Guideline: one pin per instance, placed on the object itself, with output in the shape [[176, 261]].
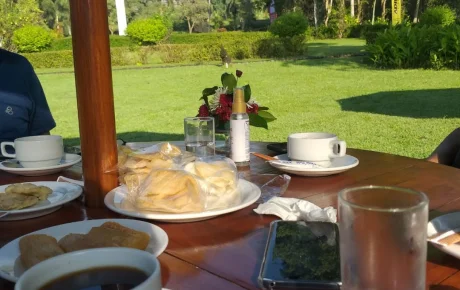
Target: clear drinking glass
[[383, 238], [199, 135]]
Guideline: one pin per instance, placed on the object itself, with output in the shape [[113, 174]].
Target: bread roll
[[37, 248]]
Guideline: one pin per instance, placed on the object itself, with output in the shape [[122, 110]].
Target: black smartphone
[[280, 148], [301, 255]]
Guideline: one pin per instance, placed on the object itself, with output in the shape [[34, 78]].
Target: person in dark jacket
[[448, 152], [24, 110]]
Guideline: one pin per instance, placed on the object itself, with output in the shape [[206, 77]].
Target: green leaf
[[263, 108], [206, 101], [229, 82], [267, 116], [209, 91], [257, 121], [247, 93]]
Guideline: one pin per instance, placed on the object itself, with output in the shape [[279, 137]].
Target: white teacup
[[65, 265], [318, 148], [36, 151]]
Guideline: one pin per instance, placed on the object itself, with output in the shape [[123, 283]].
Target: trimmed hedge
[[263, 48], [64, 58], [173, 53], [115, 41], [213, 37]]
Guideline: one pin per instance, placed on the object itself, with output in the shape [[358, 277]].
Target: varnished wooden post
[[93, 80]]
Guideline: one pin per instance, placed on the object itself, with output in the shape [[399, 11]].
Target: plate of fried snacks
[[28, 200], [24, 252], [162, 183]]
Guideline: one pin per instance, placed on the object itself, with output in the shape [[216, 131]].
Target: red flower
[[203, 111], [239, 73], [224, 113], [226, 100], [252, 108]]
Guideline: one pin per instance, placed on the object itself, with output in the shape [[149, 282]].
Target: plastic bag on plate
[[169, 190], [220, 178], [271, 185], [134, 166]]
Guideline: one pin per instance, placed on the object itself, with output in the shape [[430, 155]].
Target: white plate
[[443, 224], [13, 166], [250, 193], [338, 165], [63, 192], [11, 267]]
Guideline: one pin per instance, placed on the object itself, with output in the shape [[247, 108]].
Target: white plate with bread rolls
[[117, 201], [21, 201], [28, 250]]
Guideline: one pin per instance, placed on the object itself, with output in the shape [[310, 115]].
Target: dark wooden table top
[[226, 252]]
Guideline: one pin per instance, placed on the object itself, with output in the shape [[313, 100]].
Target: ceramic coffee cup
[[36, 151], [74, 262], [318, 148]]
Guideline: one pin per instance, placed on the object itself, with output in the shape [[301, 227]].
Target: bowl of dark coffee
[[103, 268]]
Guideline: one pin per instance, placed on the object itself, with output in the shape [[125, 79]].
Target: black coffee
[[107, 278]]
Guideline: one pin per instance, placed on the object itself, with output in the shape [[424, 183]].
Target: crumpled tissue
[[293, 209]]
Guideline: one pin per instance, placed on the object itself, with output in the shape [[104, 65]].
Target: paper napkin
[[293, 209], [69, 180]]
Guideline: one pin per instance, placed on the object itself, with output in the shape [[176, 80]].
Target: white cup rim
[[308, 136], [38, 138], [50, 264]]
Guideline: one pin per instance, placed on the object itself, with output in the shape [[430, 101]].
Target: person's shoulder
[[11, 58]]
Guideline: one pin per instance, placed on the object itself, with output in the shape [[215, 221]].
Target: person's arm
[[41, 119], [446, 153]]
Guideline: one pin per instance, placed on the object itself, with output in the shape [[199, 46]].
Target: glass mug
[[383, 242]]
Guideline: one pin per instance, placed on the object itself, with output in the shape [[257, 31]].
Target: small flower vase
[[224, 129]]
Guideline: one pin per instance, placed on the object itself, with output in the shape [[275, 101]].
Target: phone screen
[[302, 255]]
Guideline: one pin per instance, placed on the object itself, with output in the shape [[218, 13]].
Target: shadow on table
[[135, 136], [441, 287], [437, 103]]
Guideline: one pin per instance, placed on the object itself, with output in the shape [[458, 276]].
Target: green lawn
[[406, 112]]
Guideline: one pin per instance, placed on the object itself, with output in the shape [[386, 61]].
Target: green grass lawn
[[406, 112]]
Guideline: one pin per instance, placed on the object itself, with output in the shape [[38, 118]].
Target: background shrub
[[439, 15], [325, 32], [289, 25], [417, 47], [291, 29], [370, 32], [147, 31], [32, 38]]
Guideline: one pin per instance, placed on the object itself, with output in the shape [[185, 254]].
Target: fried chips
[[23, 195]]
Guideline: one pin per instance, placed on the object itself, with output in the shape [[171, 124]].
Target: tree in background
[[56, 14], [194, 12], [14, 15]]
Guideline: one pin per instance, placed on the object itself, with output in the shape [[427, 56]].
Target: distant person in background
[[448, 152], [23, 107]]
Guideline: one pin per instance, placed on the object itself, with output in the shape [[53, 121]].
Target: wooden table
[[226, 252]]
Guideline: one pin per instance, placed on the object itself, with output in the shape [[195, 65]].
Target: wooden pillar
[[93, 80]]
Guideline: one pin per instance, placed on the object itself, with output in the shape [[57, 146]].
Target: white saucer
[[338, 165], [250, 193], [13, 166], [443, 224]]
